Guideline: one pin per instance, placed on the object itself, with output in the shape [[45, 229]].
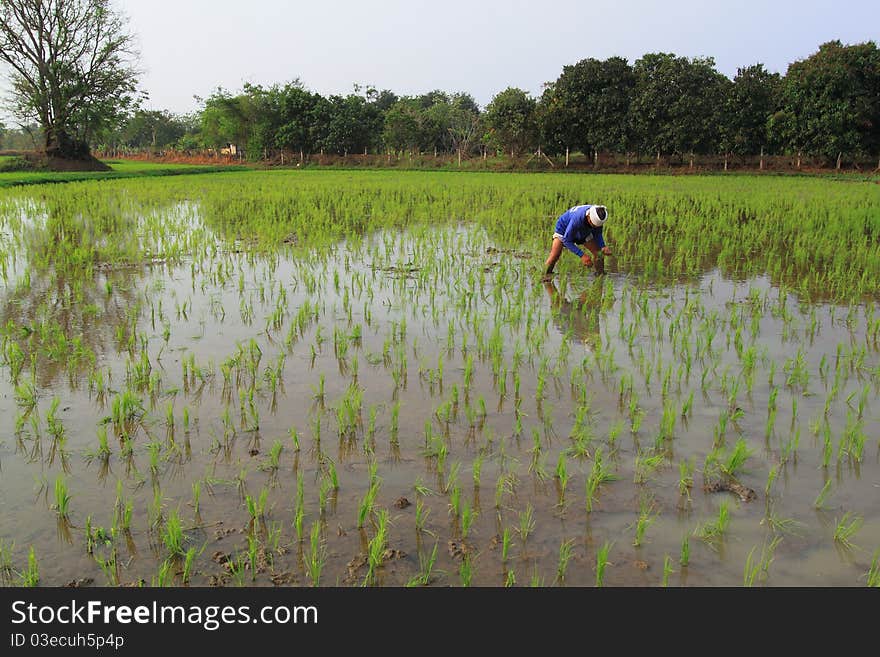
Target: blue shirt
[[576, 229]]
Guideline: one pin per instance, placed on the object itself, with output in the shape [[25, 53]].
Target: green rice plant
[[686, 477], [646, 465], [561, 476], [426, 569], [526, 522], [421, 515], [188, 561], [468, 515], [155, 508], [365, 509], [736, 459], [476, 467], [713, 530], [873, 574], [566, 552], [667, 570], [772, 474], [819, 502], [779, 525], [31, 575], [165, 575], [273, 460], [846, 528], [599, 475], [172, 535], [197, 495], [455, 502], [510, 579], [759, 571], [647, 516], [376, 547], [505, 544], [602, 563], [62, 498], [252, 555], [466, 571]]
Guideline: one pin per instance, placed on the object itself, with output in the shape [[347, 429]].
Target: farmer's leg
[[555, 252]]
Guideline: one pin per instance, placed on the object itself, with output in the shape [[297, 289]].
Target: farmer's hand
[[606, 250], [587, 260]]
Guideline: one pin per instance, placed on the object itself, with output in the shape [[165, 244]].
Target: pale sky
[[190, 47]]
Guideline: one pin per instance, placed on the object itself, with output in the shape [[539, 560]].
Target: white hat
[[598, 215]]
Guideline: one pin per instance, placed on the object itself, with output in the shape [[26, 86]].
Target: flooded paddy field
[[360, 378]]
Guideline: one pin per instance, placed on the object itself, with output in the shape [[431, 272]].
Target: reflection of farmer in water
[[581, 317], [581, 224]]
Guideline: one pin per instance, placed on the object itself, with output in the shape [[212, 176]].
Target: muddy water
[[380, 318]]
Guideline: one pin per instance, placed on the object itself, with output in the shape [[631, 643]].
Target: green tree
[[587, 107], [225, 119], [677, 105], [402, 125], [151, 129], [71, 68], [353, 125], [830, 102], [750, 102], [511, 120]]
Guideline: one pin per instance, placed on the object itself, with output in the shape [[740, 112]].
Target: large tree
[[678, 102], [511, 117], [587, 107], [71, 64], [751, 102], [830, 102]]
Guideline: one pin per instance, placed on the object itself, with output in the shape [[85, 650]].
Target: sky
[[191, 47]]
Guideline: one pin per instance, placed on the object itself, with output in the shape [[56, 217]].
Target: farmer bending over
[[581, 224]]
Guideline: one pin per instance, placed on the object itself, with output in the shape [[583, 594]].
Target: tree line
[[826, 105]]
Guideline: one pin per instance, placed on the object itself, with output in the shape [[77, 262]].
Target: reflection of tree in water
[[578, 318], [67, 306]]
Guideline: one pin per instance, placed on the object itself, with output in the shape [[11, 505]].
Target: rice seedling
[[376, 547], [426, 569], [713, 530], [455, 502], [599, 475], [686, 477], [667, 570], [526, 522], [646, 465], [602, 562], [466, 571], [647, 516], [31, 575], [819, 502], [733, 462], [172, 535], [62, 498], [873, 574], [759, 571], [468, 516], [847, 527], [566, 552]]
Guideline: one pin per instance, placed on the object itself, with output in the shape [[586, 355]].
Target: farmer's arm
[[600, 242]]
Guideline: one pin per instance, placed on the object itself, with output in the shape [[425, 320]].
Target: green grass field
[[120, 169]]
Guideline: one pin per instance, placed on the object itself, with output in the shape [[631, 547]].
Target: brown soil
[[43, 162]]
